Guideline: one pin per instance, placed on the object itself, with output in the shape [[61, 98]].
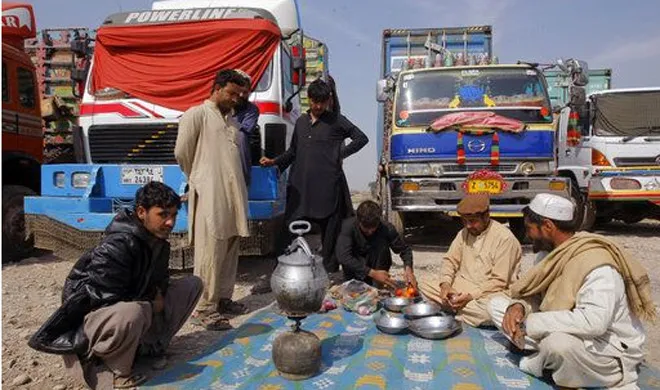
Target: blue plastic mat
[[357, 356]]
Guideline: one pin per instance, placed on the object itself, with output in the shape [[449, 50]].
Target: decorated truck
[[22, 136], [610, 146], [148, 67], [455, 121]]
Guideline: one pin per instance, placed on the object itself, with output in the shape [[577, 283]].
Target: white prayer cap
[[553, 207]]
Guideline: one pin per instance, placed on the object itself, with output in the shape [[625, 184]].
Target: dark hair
[[536, 219], [335, 97], [368, 214], [319, 91], [157, 194], [226, 76]]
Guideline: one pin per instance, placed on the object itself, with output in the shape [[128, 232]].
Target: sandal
[[227, 306], [127, 382], [210, 321]]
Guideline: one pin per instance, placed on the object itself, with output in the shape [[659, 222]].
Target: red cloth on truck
[[174, 65], [477, 120]]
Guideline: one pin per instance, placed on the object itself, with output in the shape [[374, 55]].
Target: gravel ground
[[31, 292]]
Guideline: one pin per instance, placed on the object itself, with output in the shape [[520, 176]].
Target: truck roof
[[145, 17], [626, 90], [284, 12], [462, 67]]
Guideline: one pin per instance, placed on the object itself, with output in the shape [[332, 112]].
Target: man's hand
[[410, 277], [158, 304], [382, 277], [458, 301], [266, 162], [446, 291], [511, 324]]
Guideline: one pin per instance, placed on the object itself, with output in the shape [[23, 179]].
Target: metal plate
[[141, 175]]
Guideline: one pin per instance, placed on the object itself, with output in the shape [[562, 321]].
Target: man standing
[[247, 117], [316, 155], [483, 260], [586, 330], [363, 247], [207, 151], [118, 300]]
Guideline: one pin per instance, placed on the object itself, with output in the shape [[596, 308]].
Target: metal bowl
[[435, 327], [396, 304], [390, 323], [422, 309]]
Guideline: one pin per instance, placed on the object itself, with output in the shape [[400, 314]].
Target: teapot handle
[[305, 227]]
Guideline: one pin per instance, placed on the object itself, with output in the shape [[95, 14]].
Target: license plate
[[141, 175], [488, 186]]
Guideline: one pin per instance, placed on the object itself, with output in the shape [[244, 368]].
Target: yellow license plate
[[488, 186]]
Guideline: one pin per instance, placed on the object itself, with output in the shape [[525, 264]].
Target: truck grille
[[467, 168], [635, 161], [153, 143]]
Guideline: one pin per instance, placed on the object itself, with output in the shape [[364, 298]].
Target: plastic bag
[[358, 296]]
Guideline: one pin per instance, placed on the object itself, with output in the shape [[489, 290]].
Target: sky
[[621, 35]]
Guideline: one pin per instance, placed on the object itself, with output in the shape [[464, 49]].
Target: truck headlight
[[527, 168], [410, 169], [80, 179]]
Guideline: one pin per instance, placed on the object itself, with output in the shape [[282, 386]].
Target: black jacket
[[358, 254], [128, 265]]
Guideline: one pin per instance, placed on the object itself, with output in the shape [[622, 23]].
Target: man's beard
[[542, 245]]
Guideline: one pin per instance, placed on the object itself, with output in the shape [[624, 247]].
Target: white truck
[[610, 145]]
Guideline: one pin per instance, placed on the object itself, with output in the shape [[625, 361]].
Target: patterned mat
[[357, 356]]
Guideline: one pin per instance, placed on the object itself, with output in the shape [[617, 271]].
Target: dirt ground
[[31, 292]]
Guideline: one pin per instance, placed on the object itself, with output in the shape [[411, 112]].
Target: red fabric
[[174, 65], [477, 119]]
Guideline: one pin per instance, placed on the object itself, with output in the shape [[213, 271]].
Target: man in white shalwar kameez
[[576, 312], [208, 153]]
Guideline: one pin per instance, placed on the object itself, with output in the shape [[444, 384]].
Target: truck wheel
[[15, 245], [394, 217], [588, 216]]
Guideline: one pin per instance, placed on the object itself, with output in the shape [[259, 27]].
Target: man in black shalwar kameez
[[316, 188]]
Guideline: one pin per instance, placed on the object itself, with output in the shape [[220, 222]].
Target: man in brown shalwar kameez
[[482, 261], [118, 300], [208, 152]]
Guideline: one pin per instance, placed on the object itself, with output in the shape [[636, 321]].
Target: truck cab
[[618, 153], [129, 134], [22, 129], [457, 122]]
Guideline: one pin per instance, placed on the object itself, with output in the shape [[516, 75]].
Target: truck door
[[573, 155]]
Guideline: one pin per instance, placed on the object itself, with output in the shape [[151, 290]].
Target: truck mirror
[[578, 95], [383, 90], [298, 63], [80, 47], [298, 77]]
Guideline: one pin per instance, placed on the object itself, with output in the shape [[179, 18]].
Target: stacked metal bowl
[[424, 319]]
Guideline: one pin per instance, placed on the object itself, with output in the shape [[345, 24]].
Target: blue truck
[[431, 74]]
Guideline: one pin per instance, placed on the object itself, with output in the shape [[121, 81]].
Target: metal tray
[[390, 323], [396, 304], [422, 309], [435, 327]]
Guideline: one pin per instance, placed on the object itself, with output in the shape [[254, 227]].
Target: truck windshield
[[517, 93], [630, 114]]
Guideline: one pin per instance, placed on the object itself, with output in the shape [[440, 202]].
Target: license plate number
[[141, 175], [488, 186]]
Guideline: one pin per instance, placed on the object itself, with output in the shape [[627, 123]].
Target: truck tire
[[15, 244], [396, 218]]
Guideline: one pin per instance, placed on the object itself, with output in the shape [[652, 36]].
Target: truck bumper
[[626, 185], [74, 217], [444, 194]]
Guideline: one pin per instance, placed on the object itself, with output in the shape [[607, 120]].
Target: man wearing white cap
[[482, 261], [578, 310]]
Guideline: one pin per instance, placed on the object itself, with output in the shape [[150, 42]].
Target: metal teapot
[[299, 281]]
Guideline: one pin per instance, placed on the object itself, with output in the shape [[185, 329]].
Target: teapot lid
[[298, 253]]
